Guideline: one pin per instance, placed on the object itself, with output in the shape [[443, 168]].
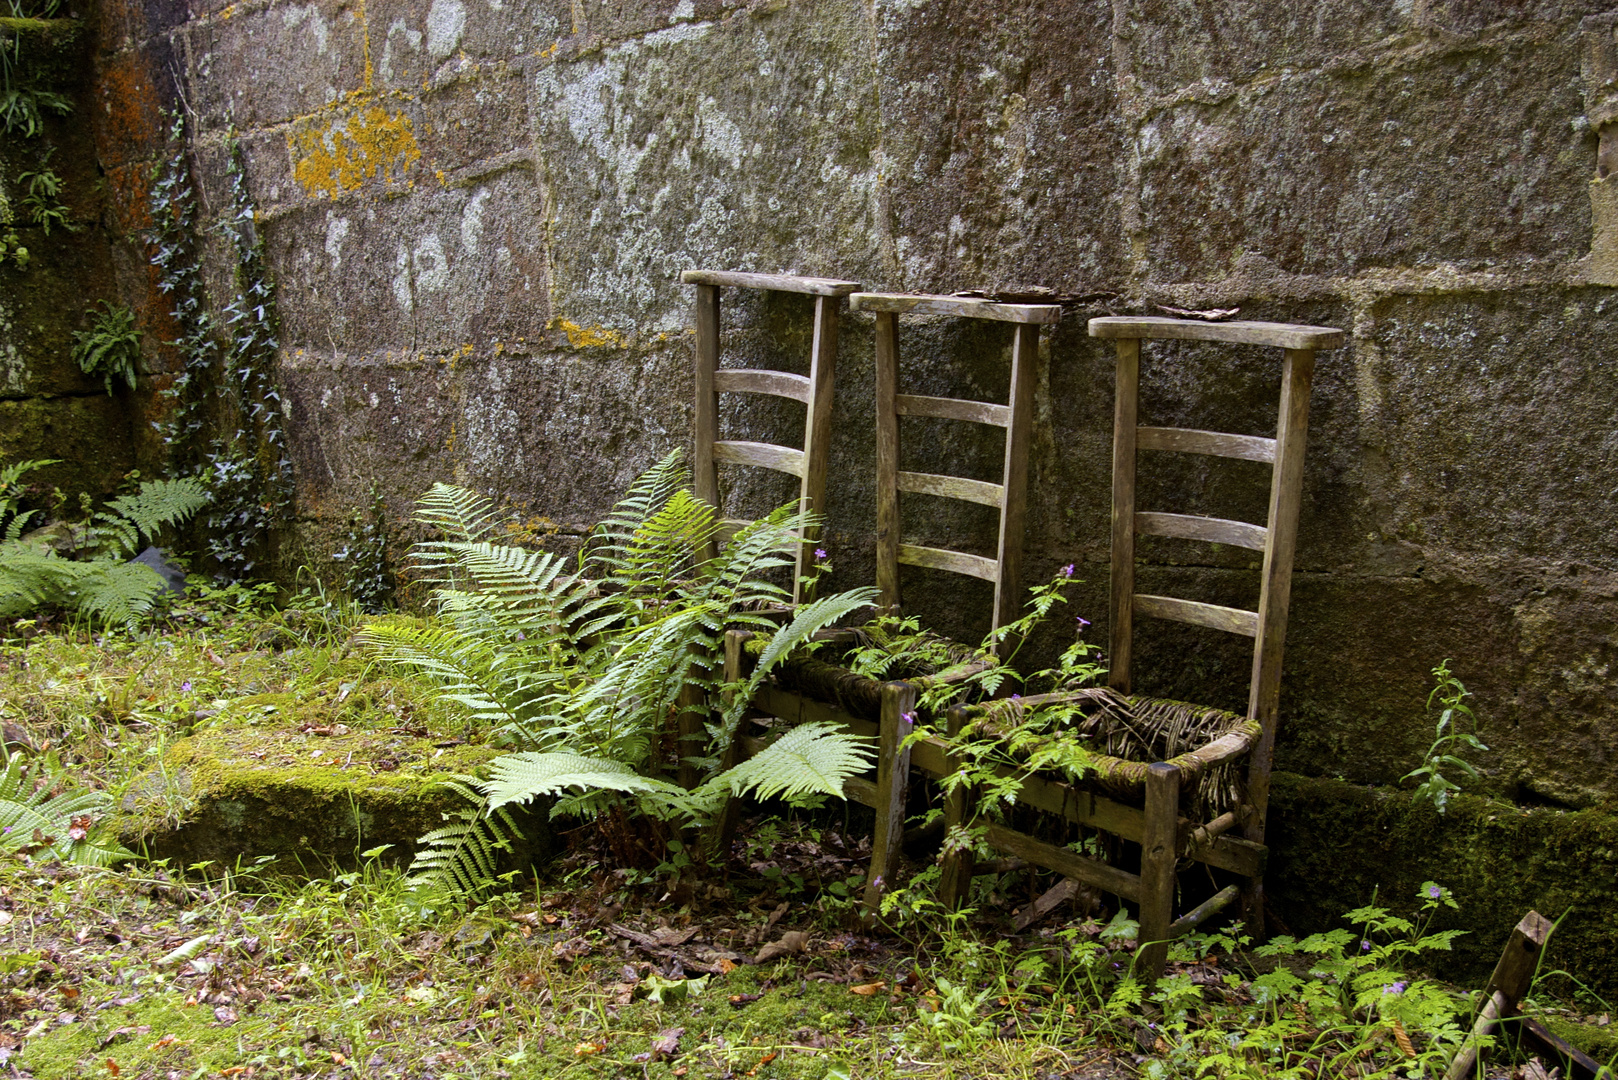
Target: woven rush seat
[[1125, 735]]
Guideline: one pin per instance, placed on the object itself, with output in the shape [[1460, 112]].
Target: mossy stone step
[[265, 780]]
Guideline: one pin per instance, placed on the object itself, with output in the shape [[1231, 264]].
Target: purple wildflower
[[1365, 946], [186, 686], [1397, 988], [820, 553], [1435, 892], [1083, 622], [908, 717], [1067, 571]]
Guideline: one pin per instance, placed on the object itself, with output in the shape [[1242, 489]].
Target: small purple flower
[[1067, 571], [1397, 988], [1016, 697], [877, 881], [186, 686], [908, 717], [1083, 622], [1435, 892], [820, 553], [1365, 946]]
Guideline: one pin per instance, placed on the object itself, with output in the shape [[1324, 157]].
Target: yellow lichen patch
[[368, 144], [588, 337]]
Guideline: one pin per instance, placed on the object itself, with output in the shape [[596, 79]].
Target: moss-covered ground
[[273, 778]]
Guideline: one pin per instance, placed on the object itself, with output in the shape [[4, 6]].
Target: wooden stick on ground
[[1507, 986]]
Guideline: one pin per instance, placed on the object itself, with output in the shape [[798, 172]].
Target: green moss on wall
[[1334, 845]]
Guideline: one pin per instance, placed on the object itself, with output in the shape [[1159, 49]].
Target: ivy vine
[[226, 425]]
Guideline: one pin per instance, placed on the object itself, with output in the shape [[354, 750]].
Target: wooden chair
[[811, 689], [815, 391], [808, 464], [1142, 801]]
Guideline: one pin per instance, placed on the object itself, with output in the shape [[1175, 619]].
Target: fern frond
[[490, 682], [32, 576], [463, 515], [115, 592], [814, 758], [517, 778], [34, 814], [462, 856], [650, 492], [525, 590], [126, 521]]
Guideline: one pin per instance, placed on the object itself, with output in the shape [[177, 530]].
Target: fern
[[463, 854], [102, 585], [583, 665], [39, 817]]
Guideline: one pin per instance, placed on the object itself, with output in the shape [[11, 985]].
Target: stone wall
[[48, 408], [477, 210]]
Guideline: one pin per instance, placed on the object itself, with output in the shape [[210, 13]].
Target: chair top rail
[[1280, 335], [762, 381], [965, 307], [793, 283], [953, 487]]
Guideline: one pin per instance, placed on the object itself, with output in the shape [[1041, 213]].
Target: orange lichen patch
[[129, 116], [129, 190], [587, 337], [330, 158]]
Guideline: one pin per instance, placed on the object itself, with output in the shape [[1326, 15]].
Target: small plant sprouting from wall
[[368, 579], [110, 349], [23, 107], [228, 383]]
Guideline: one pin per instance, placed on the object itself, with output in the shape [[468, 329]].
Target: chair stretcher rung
[[955, 561], [953, 487], [747, 381], [1118, 882], [1208, 529], [765, 455], [1215, 616], [1215, 443], [976, 412]]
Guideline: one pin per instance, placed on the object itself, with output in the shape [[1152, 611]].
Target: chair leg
[[730, 814], [1159, 850], [956, 880], [892, 773]]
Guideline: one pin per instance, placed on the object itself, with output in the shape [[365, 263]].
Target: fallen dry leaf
[[586, 1049], [166, 1040], [667, 1044], [793, 941], [112, 1067], [726, 965], [867, 989], [225, 1014]]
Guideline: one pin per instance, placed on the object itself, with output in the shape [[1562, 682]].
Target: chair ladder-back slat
[[1213, 616], [1207, 529], [958, 562], [752, 381], [953, 487], [975, 412], [763, 455], [1212, 443]]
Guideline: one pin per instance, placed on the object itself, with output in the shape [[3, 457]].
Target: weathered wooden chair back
[[814, 390], [1009, 497], [1276, 538]]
